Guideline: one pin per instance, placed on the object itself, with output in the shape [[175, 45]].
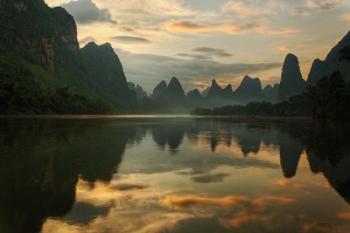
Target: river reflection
[[173, 175]]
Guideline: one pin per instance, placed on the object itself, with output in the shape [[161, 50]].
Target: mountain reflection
[[43, 159]]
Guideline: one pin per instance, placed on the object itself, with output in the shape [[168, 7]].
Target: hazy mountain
[[205, 92], [194, 98], [172, 94], [227, 92], [42, 43], [194, 95], [269, 93], [249, 90], [106, 73], [215, 91], [159, 89], [140, 92], [331, 63], [292, 82], [175, 89]]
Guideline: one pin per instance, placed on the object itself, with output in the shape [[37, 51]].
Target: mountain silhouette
[[43, 42], [140, 93], [292, 82], [249, 90], [331, 63], [215, 91], [270, 93]]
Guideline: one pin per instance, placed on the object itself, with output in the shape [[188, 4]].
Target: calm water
[[172, 176]]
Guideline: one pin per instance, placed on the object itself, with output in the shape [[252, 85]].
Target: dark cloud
[[194, 56], [210, 178], [131, 40], [213, 52], [86, 11], [129, 187]]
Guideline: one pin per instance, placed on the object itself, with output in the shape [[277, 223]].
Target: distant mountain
[[159, 89], [194, 98], [270, 93], [205, 92], [227, 92], [106, 73], [42, 42], [331, 63], [140, 93], [292, 82], [249, 90], [215, 91], [172, 94], [174, 89]]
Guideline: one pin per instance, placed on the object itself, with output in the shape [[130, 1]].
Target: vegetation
[[329, 99], [20, 93]]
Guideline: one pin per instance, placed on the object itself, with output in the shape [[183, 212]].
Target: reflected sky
[[176, 175]]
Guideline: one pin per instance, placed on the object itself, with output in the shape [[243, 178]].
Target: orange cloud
[[186, 201], [243, 217], [345, 17], [243, 12], [188, 26], [228, 28], [344, 215], [228, 201], [261, 202]]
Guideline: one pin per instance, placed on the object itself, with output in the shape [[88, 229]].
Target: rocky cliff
[[42, 41], [331, 63], [292, 82]]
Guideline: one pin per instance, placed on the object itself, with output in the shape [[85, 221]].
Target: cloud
[[210, 178], [131, 40], [345, 17], [228, 28], [228, 201], [205, 53], [324, 4], [344, 215], [86, 11], [193, 200], [242, 11], [244, 217], [194, 56], [192, 27], [213, 52], [128, 187]]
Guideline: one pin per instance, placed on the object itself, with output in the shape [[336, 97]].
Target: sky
[[201, 40]]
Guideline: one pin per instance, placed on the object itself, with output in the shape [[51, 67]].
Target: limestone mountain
[[205, 92], [175, 89], [42, 42], [106, 74], [194, 98], [140, 92], [227, 92], [215, 91], [36, 32], [292, 82], [269, 93], [159, 89], [331, 63], [249, 90]]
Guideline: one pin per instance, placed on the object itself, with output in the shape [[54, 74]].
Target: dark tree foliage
[[23, 95], [329, 99]]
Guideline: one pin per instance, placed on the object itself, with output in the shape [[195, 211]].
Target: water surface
[[172, 175]]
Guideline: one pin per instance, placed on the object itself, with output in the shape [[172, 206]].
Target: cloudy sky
[[198, 40]]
